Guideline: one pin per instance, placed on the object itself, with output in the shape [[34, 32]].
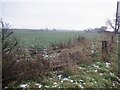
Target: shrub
[[67, 73], [31, 70], [83, 65]]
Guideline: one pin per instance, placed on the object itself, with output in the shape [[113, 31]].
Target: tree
[[111, 23], [98, 30], [103, 28], [9, 43], [8, 40]]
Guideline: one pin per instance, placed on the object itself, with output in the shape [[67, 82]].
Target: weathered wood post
[[105, 47], [105, 50]]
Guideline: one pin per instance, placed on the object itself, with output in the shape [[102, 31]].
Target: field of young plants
[[41, 39]]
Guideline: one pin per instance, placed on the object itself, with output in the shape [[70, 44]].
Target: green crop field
[[42, 39]]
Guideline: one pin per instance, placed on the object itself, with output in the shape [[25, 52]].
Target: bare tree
[[111, 23]]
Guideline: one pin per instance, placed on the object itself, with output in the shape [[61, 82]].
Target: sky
[[58, 14]]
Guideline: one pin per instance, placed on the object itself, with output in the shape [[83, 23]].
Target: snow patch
[[23, 85], [55, 83], [81, 81], [39, 85], [81, 68], [65, 79], [46, 86], [101, 74], [95, 70], [94, 65], [107, 64], [59, 76], [112, 74], [81, 86], [71, 81]]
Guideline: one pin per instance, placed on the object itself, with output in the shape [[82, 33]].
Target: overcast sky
[[59, 14]]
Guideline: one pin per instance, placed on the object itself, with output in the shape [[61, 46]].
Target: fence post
[[105, 50]]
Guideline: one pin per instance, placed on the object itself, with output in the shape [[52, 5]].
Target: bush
[[83, 65], [67, 73]]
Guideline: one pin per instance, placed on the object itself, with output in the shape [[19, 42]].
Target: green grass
[[44, 38]]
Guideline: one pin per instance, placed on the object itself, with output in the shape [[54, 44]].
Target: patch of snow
[[113, 84], [17, 61], [75, 82], [46, 56], [81, 81], [46, 86], [55, 83], [59, 76], [65, 79], [71, 81], [84, 83], [23, 85], [101, 74], [61, 81], [91, 83], [118, 78], [98, 62], [81, 68], [51, 56], [95, 70], [95, 66], [54, 72], [88, 77], [88, 71], [107, 64], [55, 86], [6, 87], [39, 85], [92, 51], [112, 74], [50, 78], [95, 82], [93, 79], [93, 45], [81, 86], [69, 77]]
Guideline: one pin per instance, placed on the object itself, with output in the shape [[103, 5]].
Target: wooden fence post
[[105, 50], [105, 47]]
